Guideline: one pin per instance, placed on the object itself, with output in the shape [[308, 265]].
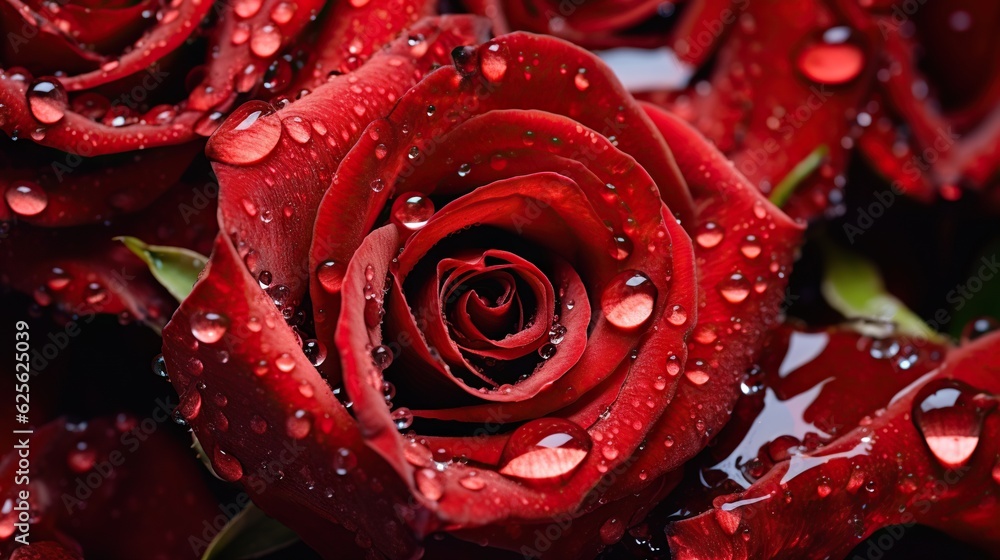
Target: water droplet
[[381, 356], [315, 351], [546, 351], [696, 373], [298, 129], [411, 211], [465, 60], [673, 364], [472, 481], [265, 41], [227, 466], [464, 169], [628, 299], [750, 248], [544, 450], [298, 424], [331, 276], [620, 247], [282, 12], [247, 136], [377, 185], [735, 288], [678, 316], [26, 198], [832, 58], [429, 484], [492, 63], [580, 80], [949, 414], [285, 363], [402, 417], [47, 100], [160, 366], [709, 235], [344, 461], [208, 327], [190, 404]]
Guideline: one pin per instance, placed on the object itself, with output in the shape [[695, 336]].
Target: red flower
[[520, 306], [919, 445], [106, 106]]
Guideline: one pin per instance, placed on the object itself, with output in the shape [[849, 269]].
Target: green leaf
[[175, 268], [250, 534], [853, 286], [784, 189]]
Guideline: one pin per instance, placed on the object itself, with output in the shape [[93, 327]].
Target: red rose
[[107, 105], [520, 305], [919, 445]]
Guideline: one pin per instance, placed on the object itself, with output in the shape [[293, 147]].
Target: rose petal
[[880, 473], [278, 412], [329, 121]]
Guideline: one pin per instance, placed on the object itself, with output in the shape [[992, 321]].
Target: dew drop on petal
[[331, 276], [247, 136], [492, 63], [429, 484], [544, 450], [709, 235], [26, 198], [411, 211], [472, 481], [832, 58], [298, 424], [265, 41], [734, 288], [628, 299], [949, 415], [47, 100], [227, 466], [208, 327], [620, 247]]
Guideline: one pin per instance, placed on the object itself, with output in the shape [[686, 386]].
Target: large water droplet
[[734, 288], [331, 276], [949, 414], [190, 404], [47, 100], [832, 58], [628, 299], [709, 235], [411, 211], [465, 60], [208, 326], [265, 41], [247, 136], [227, 466], [26, 198], [429, 484], [545, 450], [492, 63]]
